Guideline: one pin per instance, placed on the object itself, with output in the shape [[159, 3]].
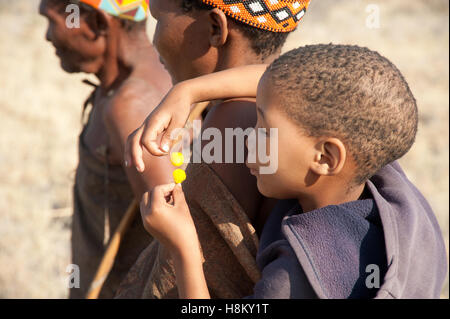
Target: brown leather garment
[[88, 224], [229, 244]]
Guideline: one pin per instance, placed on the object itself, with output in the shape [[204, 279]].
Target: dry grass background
[[40, 109]]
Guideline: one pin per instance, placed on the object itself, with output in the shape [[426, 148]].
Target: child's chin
[[272, 190], [264, 189]]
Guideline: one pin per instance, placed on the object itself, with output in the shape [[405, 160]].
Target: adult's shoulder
[[236, 177], [133, 102], [232, 114]]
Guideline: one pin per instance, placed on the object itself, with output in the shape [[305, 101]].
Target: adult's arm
[[127, 112], [174, 109]]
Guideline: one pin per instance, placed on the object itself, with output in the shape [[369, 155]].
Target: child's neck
[[331, 195]]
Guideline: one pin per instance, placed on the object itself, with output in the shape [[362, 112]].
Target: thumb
[[166, 140], [172, 134], [154, 125], [178, 196]]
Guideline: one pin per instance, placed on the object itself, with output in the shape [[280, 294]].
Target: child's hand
[[166, 217], [170, 114], [173, 111]]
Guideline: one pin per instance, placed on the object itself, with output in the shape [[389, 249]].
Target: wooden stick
[[111, 252], [113, 247]]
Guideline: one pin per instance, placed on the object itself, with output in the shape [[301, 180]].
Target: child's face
[[75, 47], [296, 150]]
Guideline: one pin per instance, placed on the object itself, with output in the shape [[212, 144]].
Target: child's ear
[[330, 157], [218, 27]]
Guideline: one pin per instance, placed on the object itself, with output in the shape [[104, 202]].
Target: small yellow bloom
[[179, 176], [177, 159]]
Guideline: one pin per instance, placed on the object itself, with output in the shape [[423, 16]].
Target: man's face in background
[[78, 48]]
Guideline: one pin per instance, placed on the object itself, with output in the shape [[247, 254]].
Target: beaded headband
[[136, 10], [271, 15]]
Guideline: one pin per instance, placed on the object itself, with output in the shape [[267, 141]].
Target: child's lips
[[252, 168]]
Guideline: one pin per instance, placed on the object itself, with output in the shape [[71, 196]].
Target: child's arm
[[166, 217], [174, 109]]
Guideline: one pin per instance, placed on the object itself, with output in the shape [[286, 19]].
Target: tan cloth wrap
[[229, 244]]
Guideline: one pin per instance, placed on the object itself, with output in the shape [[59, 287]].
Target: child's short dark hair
[[264, 43], [351, 93]]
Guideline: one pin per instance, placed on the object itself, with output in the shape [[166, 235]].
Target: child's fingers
[[127, 158], [133, 151], [159, 195], [178, 196], [168, 136], [154, 126]]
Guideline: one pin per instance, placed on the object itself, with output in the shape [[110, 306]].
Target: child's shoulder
[[341, 248], [335, 244]]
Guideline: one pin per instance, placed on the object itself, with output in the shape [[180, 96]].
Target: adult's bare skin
[[132, 81], [201, 42], [195, 40], [127, 65], [233, 114]]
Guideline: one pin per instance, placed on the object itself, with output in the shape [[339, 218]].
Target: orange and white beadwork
[[271, 15]]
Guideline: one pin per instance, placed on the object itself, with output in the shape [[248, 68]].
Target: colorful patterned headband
[[136, 10], [271, 15]]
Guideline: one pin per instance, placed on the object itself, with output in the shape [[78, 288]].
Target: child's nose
[[249, 137], [250, 142]]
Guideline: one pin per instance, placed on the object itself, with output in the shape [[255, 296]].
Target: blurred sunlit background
[[40, 119]]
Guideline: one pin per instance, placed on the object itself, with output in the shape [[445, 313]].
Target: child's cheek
[[264, 186], [272, 186]]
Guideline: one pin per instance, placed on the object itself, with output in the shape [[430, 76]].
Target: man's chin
[[69, 68]]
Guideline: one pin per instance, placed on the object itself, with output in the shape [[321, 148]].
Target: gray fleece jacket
[[387, 246]]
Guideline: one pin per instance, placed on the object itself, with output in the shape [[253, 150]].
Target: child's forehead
[[268, 97], [268, 88]]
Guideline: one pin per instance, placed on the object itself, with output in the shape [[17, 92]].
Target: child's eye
[[260, 128]]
